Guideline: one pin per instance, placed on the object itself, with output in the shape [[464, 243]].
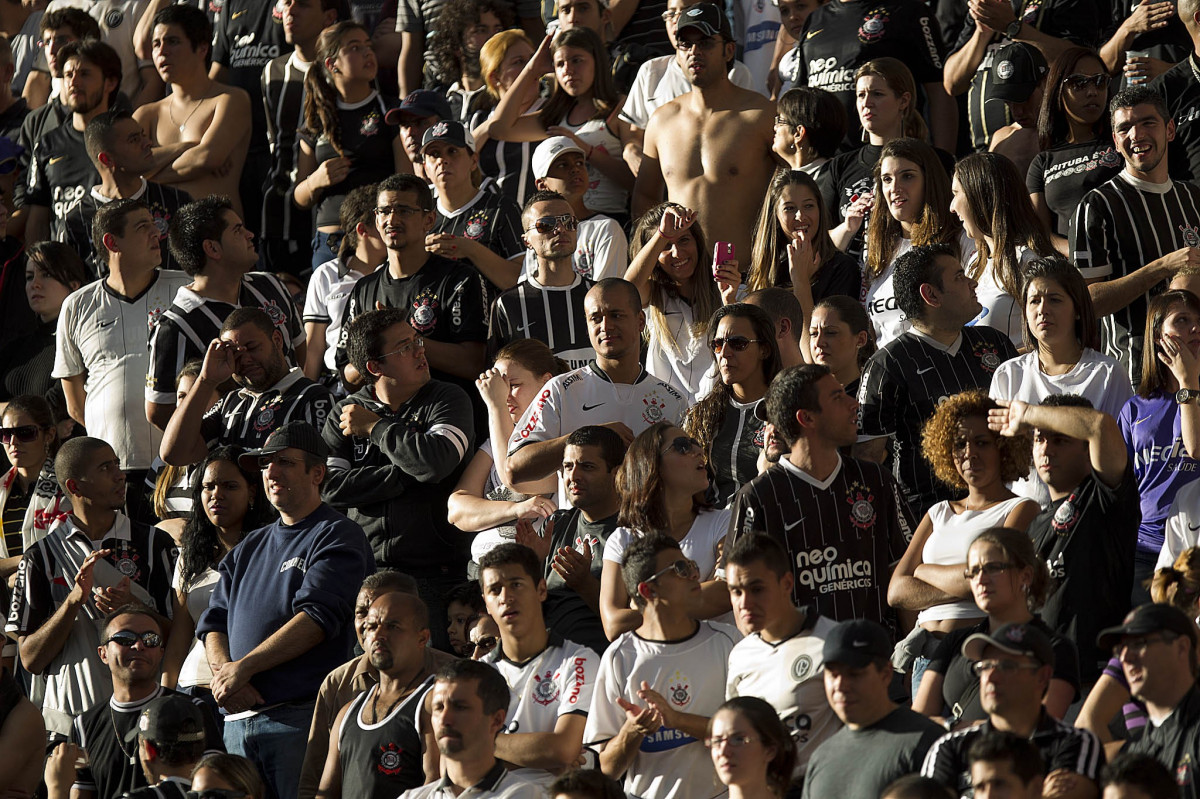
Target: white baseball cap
[[549, 150]]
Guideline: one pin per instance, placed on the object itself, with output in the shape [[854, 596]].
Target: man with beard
[[469, 703], [61, 172], [383, 743], [709, 148], [250, 351]]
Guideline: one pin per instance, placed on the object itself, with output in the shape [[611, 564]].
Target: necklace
[[120, 739], [195, 108], [403, 693]]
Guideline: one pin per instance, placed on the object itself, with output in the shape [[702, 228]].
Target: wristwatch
[[1013, 29], [1185, 395]]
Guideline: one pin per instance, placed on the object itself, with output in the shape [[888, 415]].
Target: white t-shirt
[[700, 544], [676, 353], [660, 80], [1000, 309], [790, 676], [1180, 534], [557, 682], [195, 669], [756, 27], [106, 335], [691, 674], [601, 250], [325, 302]]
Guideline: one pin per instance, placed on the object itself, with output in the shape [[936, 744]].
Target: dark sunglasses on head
[[548, 224], [684, 445], [1081, 82], [684, 568], [127, 638], [215, 793], [25, 433], [735, 343]]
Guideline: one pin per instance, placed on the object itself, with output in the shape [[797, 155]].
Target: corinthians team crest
[[424, 313], [1065, 517], [862, 506], [126, 561], [545, 689], [653, 412], [873, 25], [389, 759], [679, 691], [1191, 237], [476, 225], [370, 124], [989, 358]]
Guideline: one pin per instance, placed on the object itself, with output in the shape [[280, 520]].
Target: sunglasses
[[684, 568], [127, 638], [735, 343], [988, 569], [215, 793], [25, 433], [1081, 82], [684, 445], [548, 224], [486, 643], [982, 667]]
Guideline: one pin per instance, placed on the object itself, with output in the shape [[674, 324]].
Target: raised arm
[[674, 224], [1106, 446], [507, 122], [182, 442]]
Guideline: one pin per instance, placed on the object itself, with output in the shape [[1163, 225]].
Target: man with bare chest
[[209, 114], [710, 148]]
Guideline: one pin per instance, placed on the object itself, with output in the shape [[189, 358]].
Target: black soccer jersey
[[1119, 228], [903, 384], [491, 219], [60, 175], [163, 201], [1180, 88], [551, 314], [243, 419], [39, 122], [840, 37], [382, 759], [735, 448], [248, 35], [282, 87], [842, 534], [186, 328], [1065, 174]]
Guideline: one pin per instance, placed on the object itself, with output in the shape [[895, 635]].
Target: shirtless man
[[715, 154], [198, 109]]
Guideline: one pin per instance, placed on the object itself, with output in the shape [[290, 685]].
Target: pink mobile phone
[[722, 252]]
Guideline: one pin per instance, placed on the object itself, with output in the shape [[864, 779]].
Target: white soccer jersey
[[789, 675], [557, 682], [325, 302], [691, 675], [701, 543]]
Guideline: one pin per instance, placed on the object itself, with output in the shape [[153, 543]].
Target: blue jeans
[[325, 247], [274, 741], [917, 670]]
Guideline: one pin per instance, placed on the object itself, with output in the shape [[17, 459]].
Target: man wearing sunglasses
[[549, 304], [1015, 664], [658, 685], [1087, 534]]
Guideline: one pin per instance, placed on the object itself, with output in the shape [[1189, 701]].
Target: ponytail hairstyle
[[900, 80], [1179, 583], [851, 312], [320, 94]]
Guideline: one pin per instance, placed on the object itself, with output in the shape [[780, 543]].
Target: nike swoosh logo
[[923, 371], [524, 328], [237, 14], [787, 526], [1143, 419], [592, 407], [1194, 527], [811, 34], [56, 160]]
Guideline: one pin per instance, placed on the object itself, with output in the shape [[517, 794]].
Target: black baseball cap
[[1146, 619], [706, 18], [1017, 69], [857, 643], [1014, 639], [448, 130], [170, 719], [301, 435], [421, 103]]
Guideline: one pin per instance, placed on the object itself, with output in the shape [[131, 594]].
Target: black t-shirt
[[1170, 43], [736, 444], [1064, 174], [249, 34], [859, 764], [960, 686], [283, 100], [840, 37], [491, 219], [553, 315], [1087, 540], [163, 201], [1180, 88], [1176, 744], [60, 175], [25, 367], [564, 610], [508, 163], [13, 520]]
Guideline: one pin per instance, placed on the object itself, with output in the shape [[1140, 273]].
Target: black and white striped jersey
[[551, 314], [283, 99], [245, 419]]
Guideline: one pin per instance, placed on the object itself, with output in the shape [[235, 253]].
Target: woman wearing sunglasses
[[742, 339], [752, 750], [965, 455], [482, 501], [1075, 137], [1008, 582], [29, 493], [226, 504], [664, 485], [680, 289], [222, 776]]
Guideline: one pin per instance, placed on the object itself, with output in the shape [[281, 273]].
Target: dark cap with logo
[[301, 435], [1146, 619], [451, 132], [1017, 69], [857, 643], [706, 18], [170, 719], [1013, 639], [420, 103]]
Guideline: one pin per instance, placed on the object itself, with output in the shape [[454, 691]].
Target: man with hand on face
[[469, 702], [95, 561], [382, 742], [250, 352]]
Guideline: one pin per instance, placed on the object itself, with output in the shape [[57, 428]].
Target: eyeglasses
[[684, 568], [735, 343], [25, 433], [732, 741], [703, 43], [417, 342], [1081, 82], [486, 643], [398, 210], [127, 638], [57, 41], [215, 793], [780, 122], [981, 667], [548, 224], [1139, 645], [989, 569], [670, 16], [684, 445]]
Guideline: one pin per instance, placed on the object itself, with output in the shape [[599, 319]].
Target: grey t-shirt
[[859, 764]]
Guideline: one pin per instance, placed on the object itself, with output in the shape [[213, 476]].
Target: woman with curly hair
[[345, 141], [752, 750], [463, 28], [663, 483], [1008, 582], [742, 339], [967, 456]]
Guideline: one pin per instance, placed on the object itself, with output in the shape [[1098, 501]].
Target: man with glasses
[[1014, 664], [92, 563], [279, 618], [733, 127], [841, 521], [1156, 645], [397, 448], [659, 684], [549, 304], [1086, 534]]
